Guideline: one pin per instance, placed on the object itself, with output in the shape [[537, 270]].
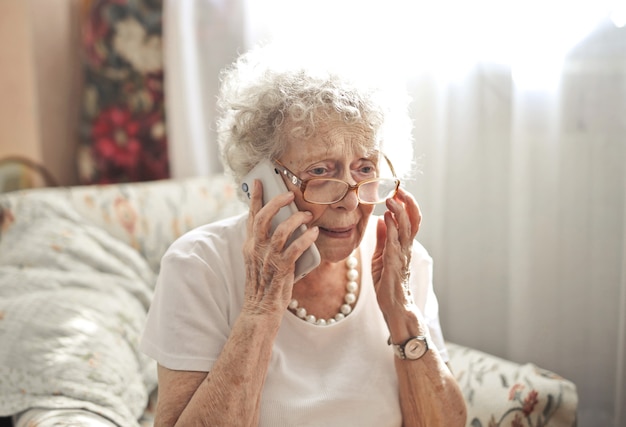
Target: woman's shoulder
[[216, 236]]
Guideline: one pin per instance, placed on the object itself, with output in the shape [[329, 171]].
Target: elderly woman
[[357, 341]]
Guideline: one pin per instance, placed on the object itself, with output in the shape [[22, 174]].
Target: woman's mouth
[[337, 233]]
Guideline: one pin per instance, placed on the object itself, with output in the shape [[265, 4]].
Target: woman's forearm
[[429, 394], [230, 394]]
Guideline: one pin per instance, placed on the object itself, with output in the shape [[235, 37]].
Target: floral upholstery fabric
[[147, 216], [112, 237], [122, 130], [501, 393]]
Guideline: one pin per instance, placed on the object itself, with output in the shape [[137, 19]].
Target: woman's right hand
[[269, 264]]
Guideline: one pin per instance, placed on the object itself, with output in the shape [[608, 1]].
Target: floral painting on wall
[[122, 132]]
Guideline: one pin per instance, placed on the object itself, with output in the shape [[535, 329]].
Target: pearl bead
[[352, 286], [301, 312], [346, 309], [310, 318], [350, 298], [352, 262], [321, 322], [352, 275], [293, 304], [339, 316]]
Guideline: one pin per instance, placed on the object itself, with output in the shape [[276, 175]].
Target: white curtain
[[523, 197], [522, 183], [200, 38]]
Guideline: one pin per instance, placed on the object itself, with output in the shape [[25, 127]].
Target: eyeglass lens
[[332, 191]]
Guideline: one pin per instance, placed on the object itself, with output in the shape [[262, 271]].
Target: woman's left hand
[[392, 257]]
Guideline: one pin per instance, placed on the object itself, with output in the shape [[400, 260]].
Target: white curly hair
[[268, 94]]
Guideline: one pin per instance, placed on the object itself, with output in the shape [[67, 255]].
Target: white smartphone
[[273, 185]]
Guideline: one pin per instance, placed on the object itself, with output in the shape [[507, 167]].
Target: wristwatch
[[411, 349]]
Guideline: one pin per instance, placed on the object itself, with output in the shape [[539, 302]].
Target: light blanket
[[72, 305]]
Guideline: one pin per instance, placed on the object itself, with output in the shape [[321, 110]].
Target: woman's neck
[[322, 292]]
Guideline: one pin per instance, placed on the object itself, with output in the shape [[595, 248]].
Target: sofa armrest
[[499, 392]]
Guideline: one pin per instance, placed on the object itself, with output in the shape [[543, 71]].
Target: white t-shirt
[[337, 375]]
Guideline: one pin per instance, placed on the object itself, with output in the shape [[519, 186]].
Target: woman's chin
[[335, 253]]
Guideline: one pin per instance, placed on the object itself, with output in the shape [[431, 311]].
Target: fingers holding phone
[[275, 210]]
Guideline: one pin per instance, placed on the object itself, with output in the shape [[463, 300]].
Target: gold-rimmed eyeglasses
[[326, 191]]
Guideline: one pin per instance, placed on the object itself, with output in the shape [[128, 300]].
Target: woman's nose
[[350, 201]]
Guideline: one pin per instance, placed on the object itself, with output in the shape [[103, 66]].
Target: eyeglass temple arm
[[393, 171], [294, 179]]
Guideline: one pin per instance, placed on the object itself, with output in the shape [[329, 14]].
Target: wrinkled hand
[[392, 256], [269, 263]]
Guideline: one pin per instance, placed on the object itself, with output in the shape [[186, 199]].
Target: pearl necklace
[[350, 298]]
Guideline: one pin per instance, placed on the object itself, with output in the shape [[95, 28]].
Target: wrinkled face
[[337, 150]]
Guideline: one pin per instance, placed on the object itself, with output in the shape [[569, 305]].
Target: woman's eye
[[367, 170], [317, 171]]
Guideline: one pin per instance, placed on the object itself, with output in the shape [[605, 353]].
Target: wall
[[39, 83], [19, 131]]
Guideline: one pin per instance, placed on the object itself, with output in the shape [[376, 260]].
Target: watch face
[[415, 348]]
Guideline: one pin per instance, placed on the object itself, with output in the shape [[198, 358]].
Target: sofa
[[77, 270]]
